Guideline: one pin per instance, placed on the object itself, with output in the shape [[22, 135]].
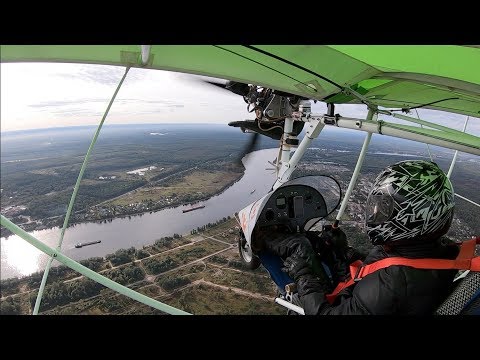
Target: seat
[[464, 299]]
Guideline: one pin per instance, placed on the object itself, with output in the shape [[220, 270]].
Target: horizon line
[[114, 124]]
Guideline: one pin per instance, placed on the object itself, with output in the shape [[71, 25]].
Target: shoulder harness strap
[[466, 260]]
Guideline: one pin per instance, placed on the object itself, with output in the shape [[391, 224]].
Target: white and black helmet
[[410, 200]]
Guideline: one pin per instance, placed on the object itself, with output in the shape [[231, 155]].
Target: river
[[19, 258]]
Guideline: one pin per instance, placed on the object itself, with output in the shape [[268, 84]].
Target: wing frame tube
[[356, 171], [426, 123], [290, 306], [287, 168], [395, 130], [74, 193]]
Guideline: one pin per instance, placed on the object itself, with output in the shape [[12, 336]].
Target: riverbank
[[107, 213], [20, 258]]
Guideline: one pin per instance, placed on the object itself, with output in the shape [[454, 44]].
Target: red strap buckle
[[355, 270]]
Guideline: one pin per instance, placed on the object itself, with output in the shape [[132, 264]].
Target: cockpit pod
[[295, 206]]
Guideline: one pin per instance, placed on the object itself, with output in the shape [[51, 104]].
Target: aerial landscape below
[[134, 172]]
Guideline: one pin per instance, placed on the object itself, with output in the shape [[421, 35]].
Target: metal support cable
[[428, 146], [470, 201], [450, 170]]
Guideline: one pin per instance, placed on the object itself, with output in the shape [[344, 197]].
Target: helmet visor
[[379, 209]]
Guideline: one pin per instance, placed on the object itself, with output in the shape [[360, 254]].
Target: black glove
[[335, 238], [329, 240], [301, 262], [286, 244], [352, 254], [309, 278], [334, 251], [306, 270]]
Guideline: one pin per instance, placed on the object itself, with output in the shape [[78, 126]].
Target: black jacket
[[399, 290]]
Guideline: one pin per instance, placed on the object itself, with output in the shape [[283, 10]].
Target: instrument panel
[[293, 205]]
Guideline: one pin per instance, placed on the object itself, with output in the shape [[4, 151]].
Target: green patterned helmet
[[409, 201]]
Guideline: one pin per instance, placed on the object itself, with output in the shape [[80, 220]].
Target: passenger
[[408, 210]]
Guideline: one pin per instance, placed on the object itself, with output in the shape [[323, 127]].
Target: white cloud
[[49, 95]]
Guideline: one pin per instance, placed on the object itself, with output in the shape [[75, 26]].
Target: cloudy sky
[[43, 95]]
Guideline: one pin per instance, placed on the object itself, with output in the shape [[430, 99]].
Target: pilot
[[408, 210]]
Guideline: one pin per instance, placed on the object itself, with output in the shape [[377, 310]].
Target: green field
[[203, 183]]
